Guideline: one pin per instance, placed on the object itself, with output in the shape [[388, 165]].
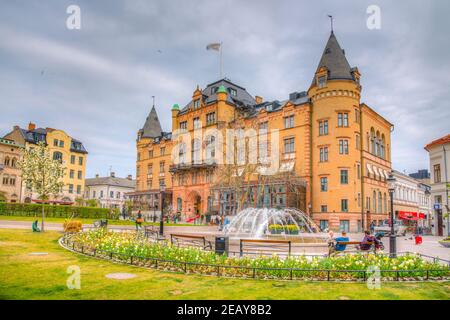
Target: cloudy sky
[[96, 83]]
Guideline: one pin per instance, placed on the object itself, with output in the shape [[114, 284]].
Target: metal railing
[[235, 271]]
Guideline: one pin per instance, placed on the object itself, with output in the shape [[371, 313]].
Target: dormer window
[[269, 107], [214, 90], [321, 81], [232, 91], [196, 104]]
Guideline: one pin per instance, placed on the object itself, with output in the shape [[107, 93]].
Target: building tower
[[335, 146]]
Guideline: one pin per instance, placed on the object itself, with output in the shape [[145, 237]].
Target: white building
[[109, 191], [439, 152]]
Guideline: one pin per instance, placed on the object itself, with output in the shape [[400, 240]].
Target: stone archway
[[195, 201]]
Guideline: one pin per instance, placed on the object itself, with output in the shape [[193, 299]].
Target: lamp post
[[392, 238], [162, 188]]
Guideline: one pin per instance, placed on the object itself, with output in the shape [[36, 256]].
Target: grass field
[[90, 221], [25, 276]]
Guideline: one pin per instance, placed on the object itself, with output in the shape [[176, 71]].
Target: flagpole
[[221, 61]]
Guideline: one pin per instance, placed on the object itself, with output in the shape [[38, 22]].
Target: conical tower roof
[[152, 126], [333, 58]]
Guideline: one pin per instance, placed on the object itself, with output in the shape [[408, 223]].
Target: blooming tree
[[41, 174]]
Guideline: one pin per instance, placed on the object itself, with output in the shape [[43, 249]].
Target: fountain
[[269, 223]]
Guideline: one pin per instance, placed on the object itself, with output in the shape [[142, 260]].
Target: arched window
[[210, 147], [13, 162], [374, 201], [380, 202], [377, 144], [383, 147], [196, 151], [372, 141], [385, 203], [7, 161], [182, 153], [179, 204]]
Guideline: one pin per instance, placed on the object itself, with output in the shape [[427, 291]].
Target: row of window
[[59, 156], [71, 190], [10, 162], [58, 143], [8, 180], [112, 195], [210, 119], [79, 174]]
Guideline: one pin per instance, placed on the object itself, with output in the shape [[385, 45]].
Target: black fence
[[258, 272]]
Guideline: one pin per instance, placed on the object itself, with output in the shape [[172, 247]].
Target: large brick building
[[334, 146]]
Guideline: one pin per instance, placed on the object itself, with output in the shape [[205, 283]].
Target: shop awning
[[369, 168], [407, 215]]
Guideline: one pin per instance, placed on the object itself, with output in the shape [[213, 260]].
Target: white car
[[385, 228]]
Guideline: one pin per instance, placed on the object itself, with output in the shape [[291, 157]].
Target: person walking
[[139, 220], [372, 227]]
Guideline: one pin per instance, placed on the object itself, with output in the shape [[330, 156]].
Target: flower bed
[[132, 248]]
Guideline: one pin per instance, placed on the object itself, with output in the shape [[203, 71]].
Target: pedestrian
[[372, 227], [139, 220]]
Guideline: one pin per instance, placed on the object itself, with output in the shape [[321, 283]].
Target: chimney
[[258, 99], [113, 174], [31, 126], [16, 127], [97, 175], [130, 177]]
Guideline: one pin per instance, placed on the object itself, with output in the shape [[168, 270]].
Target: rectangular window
[[71, 174], [80, 174], [323, 184], [324, 208], [161, 167], [344, 176], [289, 145], [210, 118], [323, 128], [232, 91], [55, 142], [196, 104], [358, 170], [321, 81], [72, 159], [358, 142], [344, 205], [342, 119], [111, 194], [344, 225], [263, 127], [101, 193], [61, 143], [150, 154], [437, 173], [78, 189], [324, 154], [70, 188], [323, 223], [183, 125], [162, 151], [356, 115], [161, 182], [80, 161], [93, 194], [149, 183], [343, 146], [289, 122], [197, 123]]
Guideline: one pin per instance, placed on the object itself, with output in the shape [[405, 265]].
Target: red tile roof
[[440, 141]]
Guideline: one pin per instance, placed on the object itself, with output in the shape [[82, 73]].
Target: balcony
[[198, 164]]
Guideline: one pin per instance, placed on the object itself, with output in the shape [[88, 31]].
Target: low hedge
[[56, 211]]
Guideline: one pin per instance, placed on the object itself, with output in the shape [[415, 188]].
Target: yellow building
[[68, 150], [10, 179], [337, 146]]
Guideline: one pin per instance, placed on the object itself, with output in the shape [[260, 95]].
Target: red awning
[[406, 215]]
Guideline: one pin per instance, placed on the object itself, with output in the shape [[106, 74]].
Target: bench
[[151, 231], [264, 246], [356, 243], [102, 223], [185, 240]]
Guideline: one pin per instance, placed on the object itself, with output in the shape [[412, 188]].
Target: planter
[[275, 231], [445, 243], [295, 232]]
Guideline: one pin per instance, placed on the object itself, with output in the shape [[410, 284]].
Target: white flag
[[213, 46]]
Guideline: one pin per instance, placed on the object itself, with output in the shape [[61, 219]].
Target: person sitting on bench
[[35, 227], [342, 238], [367, 241]]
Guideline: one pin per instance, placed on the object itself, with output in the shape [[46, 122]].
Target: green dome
[[175, 107], [222, 89]]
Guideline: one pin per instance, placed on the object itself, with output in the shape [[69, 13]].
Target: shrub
[[56, 211], [72, 226]]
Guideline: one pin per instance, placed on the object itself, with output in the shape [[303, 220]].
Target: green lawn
[[24, 276], [90, 221]]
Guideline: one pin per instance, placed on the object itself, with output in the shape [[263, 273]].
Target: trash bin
[[222, 245], [418, 239]]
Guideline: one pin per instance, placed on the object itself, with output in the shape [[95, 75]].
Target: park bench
[[185, 240], [102, 223], [151, 232], [259, 247], [357, 245]]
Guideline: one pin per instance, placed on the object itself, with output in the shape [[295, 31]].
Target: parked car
[[385, 228]]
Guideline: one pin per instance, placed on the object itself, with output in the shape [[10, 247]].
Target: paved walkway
[[429, 246]]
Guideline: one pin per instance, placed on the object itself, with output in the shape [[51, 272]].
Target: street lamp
[[162, 188], [392, 238]]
